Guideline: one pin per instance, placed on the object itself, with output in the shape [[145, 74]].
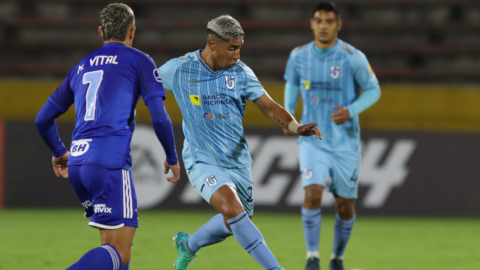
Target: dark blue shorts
[[107, 195]]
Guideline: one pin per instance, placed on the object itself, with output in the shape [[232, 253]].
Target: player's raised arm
[[153, 94], [283, 118], [56, 105]]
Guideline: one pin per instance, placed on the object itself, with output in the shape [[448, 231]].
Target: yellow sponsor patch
[[195, 99], [370, 69], [307, 85]]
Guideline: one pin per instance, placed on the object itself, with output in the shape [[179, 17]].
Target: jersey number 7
[[94, 79]]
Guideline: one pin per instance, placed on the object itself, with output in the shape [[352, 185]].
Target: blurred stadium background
[[419, 175]]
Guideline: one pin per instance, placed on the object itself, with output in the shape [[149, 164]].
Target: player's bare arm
[[60, 165], [341, 116], [283, 118]]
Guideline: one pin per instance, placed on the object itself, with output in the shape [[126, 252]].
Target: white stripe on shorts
[[127, 195], [130, 200]]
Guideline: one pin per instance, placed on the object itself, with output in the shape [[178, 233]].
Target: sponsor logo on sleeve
[[156, 75], [195, 99]]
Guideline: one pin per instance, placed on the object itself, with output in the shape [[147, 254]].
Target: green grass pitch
[[54, 239]]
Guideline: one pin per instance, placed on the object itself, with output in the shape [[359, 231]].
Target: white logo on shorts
[[211, 181], [102, 208], [80, 147], [308, 173]]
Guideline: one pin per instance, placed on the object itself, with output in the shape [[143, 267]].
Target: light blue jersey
[[212, 105], [332, 78]]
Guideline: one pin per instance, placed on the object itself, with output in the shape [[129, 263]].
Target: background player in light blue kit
[[329, 74], [106, 87], [211, 87]]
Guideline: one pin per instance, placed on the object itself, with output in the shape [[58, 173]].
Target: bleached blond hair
[[226, 27]]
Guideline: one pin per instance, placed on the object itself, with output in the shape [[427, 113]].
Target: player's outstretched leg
[[312, 222], [227, 202], [343, 228]]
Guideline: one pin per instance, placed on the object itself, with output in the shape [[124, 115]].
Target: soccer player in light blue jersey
[[106, 87], [211, 87], [329, 74]]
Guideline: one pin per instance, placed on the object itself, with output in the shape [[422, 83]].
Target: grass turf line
[[54, 239]]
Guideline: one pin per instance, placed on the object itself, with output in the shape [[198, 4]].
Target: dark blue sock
[[343, 229], [312, 222], [212, 232], [105, 257], [252, 241]]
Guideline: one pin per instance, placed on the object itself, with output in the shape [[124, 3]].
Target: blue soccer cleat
[[313, 263], [336, 264], [184, 255], [280, 268]]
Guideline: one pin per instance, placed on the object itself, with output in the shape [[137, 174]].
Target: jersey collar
[[324, 53]]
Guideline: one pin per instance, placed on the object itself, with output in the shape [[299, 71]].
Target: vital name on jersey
[[104, 59]]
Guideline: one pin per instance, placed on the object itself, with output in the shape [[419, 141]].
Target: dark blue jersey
[[105, 87]]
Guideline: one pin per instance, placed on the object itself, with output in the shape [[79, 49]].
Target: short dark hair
[[327, 6], [115, 20]]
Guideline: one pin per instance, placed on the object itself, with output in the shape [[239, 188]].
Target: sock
[[252, 241], [312, 222], [343, 229], [100, 258], [210, 233]]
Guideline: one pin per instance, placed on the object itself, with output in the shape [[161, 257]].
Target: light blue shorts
[[342, 167], [207, 178]]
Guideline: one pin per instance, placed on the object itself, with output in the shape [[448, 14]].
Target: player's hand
[[175, 170], [288, 132], [309, 130], [60, 167], [341, 116]]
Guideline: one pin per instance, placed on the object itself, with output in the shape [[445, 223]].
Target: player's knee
[[125, 255], [232, 211], [346, 211], [313, 196]]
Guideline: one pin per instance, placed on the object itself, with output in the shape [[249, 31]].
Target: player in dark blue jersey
[[106, 87]]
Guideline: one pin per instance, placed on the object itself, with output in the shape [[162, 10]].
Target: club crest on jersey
[[156, 75], [308, 173], [211, 181], [335, 72], [230, 82], [79, 147]]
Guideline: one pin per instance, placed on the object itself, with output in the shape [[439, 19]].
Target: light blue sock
[[343, 229], [312, 222], [100, 258], [252, 241], [210, 233]]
